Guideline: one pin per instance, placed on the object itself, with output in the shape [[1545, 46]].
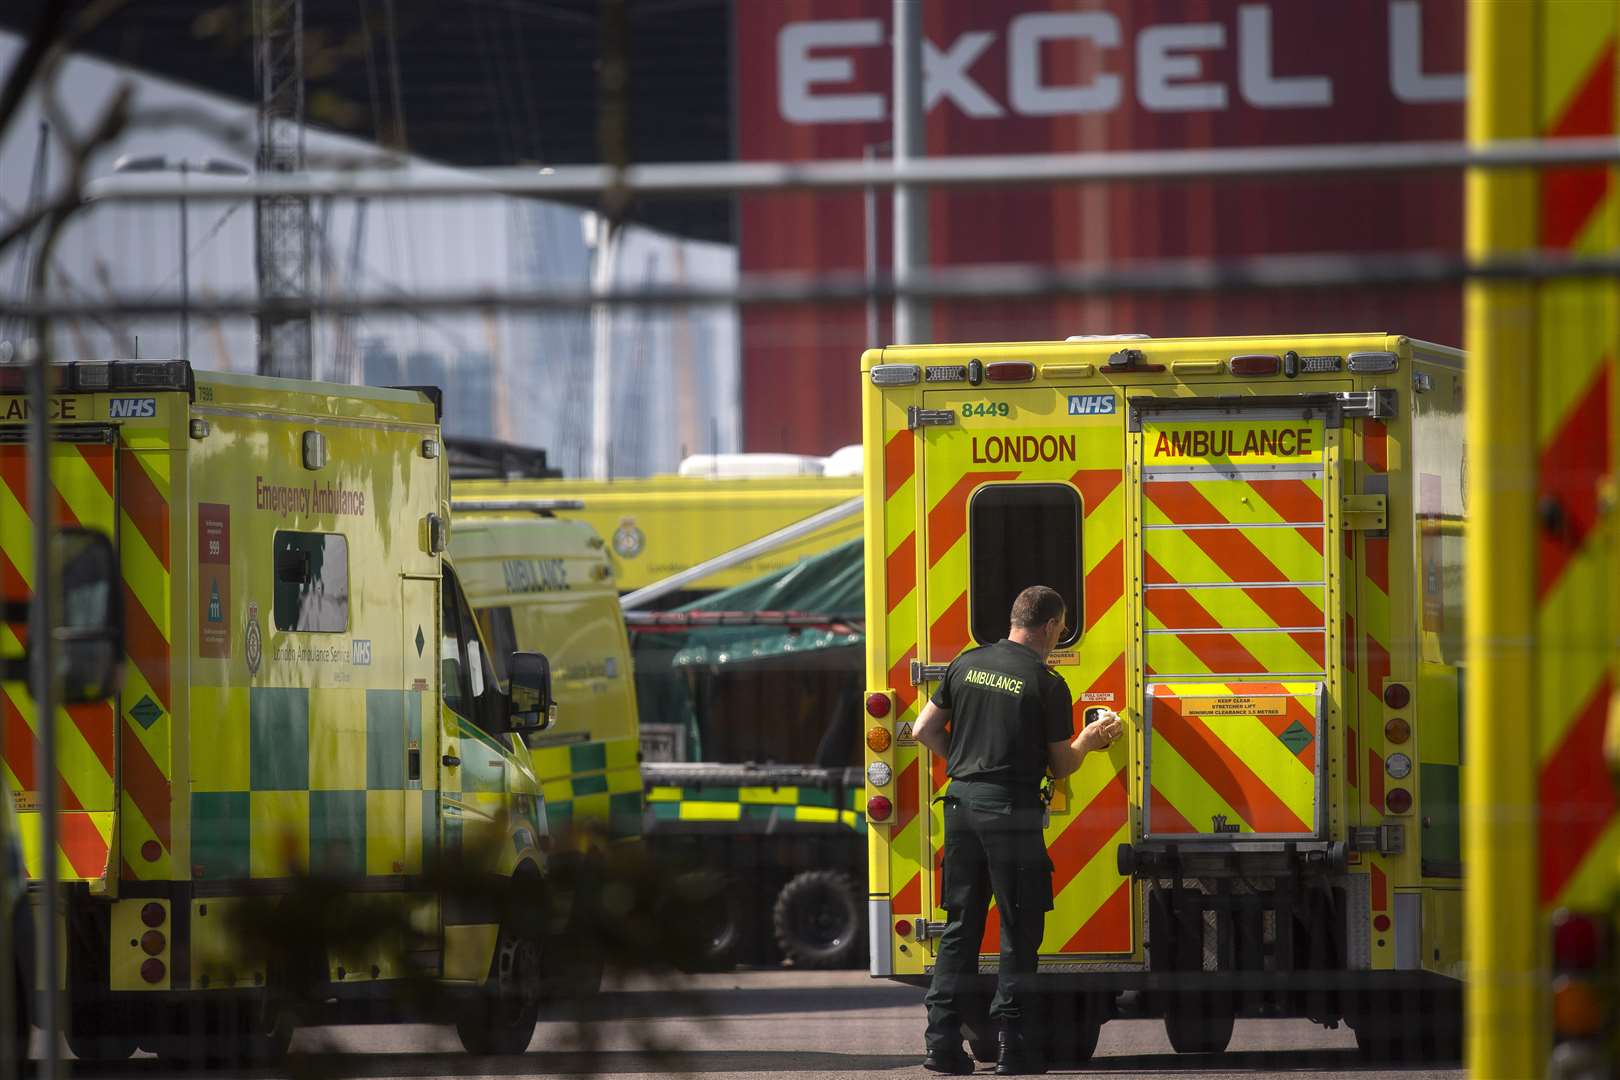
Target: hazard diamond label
[[1295, 737]]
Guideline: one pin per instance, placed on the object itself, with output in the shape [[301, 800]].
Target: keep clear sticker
[[1234, 705]]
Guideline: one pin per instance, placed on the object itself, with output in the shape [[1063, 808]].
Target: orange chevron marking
[[1572, 470], [95, 723], [1380, 889], [1570, 196], [81, 842], [900, 571], [947, 521], [1230, 548], [900, 680], [949, 634], [1375, 779], [1085, 836], [1109, 928], [1350, 757], [1111, 681], [1349, 643], [100, 460], [146, 786], [1224, 771], [908, 901], [1577, 796], [146, 646], [1378, 563], [899, 461], [907, 798], [1375, 445], [1294, 500], [1105, 584], [1166, 818], [1377, 666], [146, 507], [1095, 485]]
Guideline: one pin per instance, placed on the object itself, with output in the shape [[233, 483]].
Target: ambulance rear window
[[312, 582], [1021, 535]]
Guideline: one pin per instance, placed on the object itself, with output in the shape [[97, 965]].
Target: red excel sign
[[813, 81]]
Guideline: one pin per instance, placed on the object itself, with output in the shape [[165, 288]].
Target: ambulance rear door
[[1238, 568], [1024, 485]]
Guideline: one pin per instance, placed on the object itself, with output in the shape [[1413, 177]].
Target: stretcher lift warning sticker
[[1240, 442], [214, 584], [1234, 705]]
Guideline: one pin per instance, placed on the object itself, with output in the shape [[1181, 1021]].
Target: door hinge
[[921, 672], [1364, 513], [1384, 839], [917, 416], [925, 929]]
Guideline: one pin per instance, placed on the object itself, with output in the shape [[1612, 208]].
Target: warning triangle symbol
[[902, 731]]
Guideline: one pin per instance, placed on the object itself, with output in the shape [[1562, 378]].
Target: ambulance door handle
[[450, 761]]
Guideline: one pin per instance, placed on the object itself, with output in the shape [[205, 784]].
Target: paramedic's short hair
[[1036, 606]]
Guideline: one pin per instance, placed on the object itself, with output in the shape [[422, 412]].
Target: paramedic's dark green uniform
[[1005, 707]]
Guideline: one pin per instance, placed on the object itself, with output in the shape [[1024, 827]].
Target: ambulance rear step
[[1207, 859]]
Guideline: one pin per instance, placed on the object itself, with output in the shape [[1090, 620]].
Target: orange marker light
[[1577, 1008], [878, 739]]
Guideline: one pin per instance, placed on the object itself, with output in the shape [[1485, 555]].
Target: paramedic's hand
[[1100, 735]]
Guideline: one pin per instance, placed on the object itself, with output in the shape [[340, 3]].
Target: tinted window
[[501, 635], [1021, 535], [312, 582]]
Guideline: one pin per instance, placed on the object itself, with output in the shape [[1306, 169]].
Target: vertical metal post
[[1505, 1032], [912, 321], [185, 269], [869, 205], [605, 233], [43, 684]]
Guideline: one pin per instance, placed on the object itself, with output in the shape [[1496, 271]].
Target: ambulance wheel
[[502, 1020], [1198, 1024], [101, 1047], [713, 914], [1073, 1023], [817, 918]]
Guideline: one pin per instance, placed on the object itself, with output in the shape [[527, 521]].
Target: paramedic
[[1002, 720]]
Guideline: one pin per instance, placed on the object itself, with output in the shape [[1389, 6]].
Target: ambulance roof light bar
[[93, 376]]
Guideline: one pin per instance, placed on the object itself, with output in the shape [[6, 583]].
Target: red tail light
[[153, 914], [903, 927], [878, 808], [1256, 364], [877, 705], [1577, 941], [1381, 923], [1010, 371], [1398, 801], [153, 970], [1397, 696]]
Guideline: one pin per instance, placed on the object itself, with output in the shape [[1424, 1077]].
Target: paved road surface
[[803, 1026]]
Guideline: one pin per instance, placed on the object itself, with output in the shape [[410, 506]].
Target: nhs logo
[[139, 408], [1091, 404]]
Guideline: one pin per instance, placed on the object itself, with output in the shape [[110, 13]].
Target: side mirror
[[532, 707], [90, 616]]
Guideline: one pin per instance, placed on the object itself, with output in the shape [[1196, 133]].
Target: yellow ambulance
[[541, 583], [659, 526], [1259, 543], [307, 693]]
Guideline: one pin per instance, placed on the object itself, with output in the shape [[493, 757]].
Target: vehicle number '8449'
[[986, 408]]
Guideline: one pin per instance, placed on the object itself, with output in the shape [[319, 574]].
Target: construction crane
[[282, 226]]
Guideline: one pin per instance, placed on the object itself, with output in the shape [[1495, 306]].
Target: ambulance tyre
[[817, 918], [101, 1047], [1198, 1024], [502, 1019]]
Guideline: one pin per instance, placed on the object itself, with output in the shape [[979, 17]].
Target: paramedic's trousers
[[993, 844]]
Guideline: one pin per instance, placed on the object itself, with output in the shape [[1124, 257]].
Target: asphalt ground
[[804, 1025]]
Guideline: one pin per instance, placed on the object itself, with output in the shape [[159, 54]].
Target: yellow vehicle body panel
[[661, 525], [1245, 594]]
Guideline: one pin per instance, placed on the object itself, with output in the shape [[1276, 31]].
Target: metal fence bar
[[991, 282], [704, 179]]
